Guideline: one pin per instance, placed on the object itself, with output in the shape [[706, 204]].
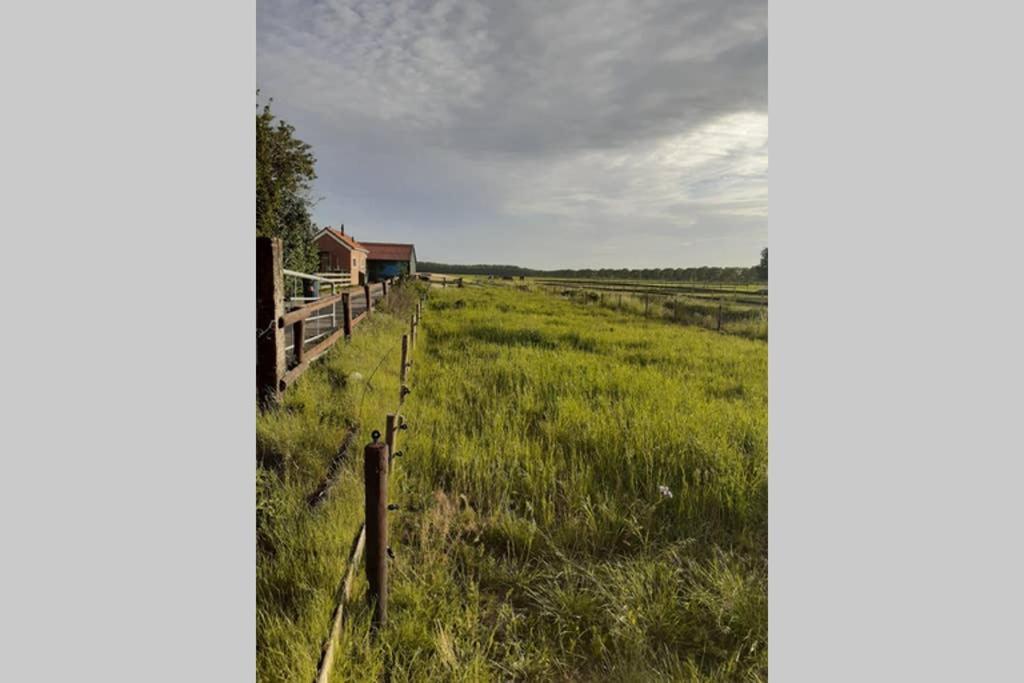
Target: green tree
[[763, 268], [285, 171]]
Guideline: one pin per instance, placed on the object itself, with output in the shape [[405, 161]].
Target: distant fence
[[731, 314], [742, 293], [442, 280], [310, 314]]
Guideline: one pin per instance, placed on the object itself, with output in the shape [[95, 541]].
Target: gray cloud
[[550, 134]]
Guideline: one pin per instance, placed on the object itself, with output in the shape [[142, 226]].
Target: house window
[[325, 261]]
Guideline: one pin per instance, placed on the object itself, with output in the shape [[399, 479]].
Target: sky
[[568, 134]]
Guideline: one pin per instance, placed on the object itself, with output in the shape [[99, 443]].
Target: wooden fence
[[725, 313], [273, 372], [442, 280], [710, 292], [273, 376]]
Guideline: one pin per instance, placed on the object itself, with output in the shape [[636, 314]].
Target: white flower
[[356, 377], [665, 491]]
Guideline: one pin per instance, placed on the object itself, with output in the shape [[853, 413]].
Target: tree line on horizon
[[758, 273]]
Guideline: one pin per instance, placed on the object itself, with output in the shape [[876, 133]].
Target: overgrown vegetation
[[583, 497], [285, 171], [302, 550]]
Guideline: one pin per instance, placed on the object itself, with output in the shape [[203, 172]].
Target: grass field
[[744, 312], [753, 301], [583, 497], [682, 285]]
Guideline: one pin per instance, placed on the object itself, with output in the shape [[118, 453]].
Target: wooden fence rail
[[273, 375], [327, 651]]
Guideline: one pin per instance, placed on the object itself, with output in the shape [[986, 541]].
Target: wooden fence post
[[719, 329], [392, 423], [346, 313], [412, 331], [403, 387], [270, 358], [375, 474], [369, 299], [384, 288]]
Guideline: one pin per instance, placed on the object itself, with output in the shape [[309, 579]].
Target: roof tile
[[387, 251]]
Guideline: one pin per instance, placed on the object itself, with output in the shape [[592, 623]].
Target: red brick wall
[[341, 257]]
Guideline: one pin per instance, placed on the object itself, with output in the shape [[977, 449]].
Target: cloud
[[472, 127]]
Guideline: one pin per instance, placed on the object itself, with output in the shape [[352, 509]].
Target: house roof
[[388, 251], [347, 240]]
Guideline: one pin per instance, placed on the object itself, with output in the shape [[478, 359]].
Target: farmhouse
[[341, 253], [363, 261], [390, 260]]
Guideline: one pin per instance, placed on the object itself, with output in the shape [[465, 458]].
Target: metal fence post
[[375, 473], [270, 357]]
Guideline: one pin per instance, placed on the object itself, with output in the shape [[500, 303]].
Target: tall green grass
[[584, 497], [301, 552], [743, 320]]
